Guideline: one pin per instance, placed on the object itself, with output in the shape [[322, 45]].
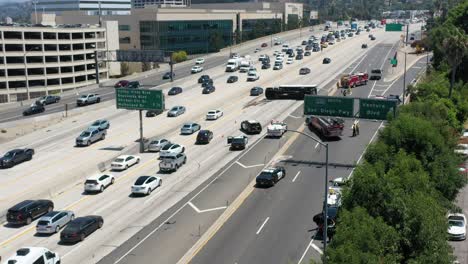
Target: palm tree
[[455, 48]]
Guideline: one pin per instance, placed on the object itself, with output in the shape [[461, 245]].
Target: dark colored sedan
[[34, 109], [167, 75], [204, 137], [78, 229], [264, 45], [134, 85], [304, 71], [307, 53], [121, 84], [326, 60], [208, 89], [299, 57], [153, 113], [256, 91], [266, 66], [232, 79], [207, 83], [372, 38], [364, 46], [203, 78], [175, 91], [304, 42]]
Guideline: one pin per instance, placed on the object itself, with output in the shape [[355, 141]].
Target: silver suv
[[52, 222]]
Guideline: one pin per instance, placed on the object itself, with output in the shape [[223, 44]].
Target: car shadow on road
[[12, 226], [44, 235]]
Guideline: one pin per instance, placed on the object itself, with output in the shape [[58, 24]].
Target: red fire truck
[[354, 79]]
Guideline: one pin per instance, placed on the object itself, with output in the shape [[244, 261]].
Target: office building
[[90, 7], [145, 3], [38, 60]]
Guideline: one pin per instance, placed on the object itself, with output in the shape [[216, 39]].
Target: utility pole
[[407, 32], [404, 82]]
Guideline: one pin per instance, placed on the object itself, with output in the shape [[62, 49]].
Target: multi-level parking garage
[[38, 60]]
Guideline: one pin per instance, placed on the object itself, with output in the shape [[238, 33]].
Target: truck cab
[[276, 128], [90, 136]]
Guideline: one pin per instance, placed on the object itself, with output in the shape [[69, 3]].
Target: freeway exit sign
[[329, 106], [393, 27], [139, 99], [376, 108]]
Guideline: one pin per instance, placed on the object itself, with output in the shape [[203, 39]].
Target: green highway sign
[[393, 27], [376, 108], [393, 61], [139, 99], [329, 106]]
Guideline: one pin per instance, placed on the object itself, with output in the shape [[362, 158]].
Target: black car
[[78, 229], [167, 75], [16, 156], [326, 60], [291, 55], [204, 137], [232, 79], [364, 46], [203, 78], [308, 47], [207, 83], [153, 113], [251, 127], [304, 71], [372, 38], [304, 42], [237, 143], [25, 212], [175, 91], [270, 176], [299, 57], [316, 49], [208, 89], [34, 109], [255, 91], [307, 53], [133, 84], [266, 66]]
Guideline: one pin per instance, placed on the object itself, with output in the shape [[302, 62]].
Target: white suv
[[98, 183]]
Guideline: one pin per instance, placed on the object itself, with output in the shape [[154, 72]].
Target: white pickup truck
[[276, 129], [172, 162]]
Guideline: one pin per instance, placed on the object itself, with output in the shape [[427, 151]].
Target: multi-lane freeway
[[171, 224]]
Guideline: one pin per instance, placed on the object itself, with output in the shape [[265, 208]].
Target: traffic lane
[[221, 187], [283, 236]]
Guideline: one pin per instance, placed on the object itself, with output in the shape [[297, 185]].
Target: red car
[[264, 45], [121, 83]]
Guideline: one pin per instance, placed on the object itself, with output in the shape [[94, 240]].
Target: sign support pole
[[96, 65], [142, 144], [171, 63]]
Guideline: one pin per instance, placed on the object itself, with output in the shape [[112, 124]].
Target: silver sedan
[[52, 222]]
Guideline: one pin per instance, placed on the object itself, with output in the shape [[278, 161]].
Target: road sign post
[[329, 106], [376, 108], [139, 99]]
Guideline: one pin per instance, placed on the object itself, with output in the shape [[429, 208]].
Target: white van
[[33, 255]]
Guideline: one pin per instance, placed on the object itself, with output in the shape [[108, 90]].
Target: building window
[[124, 40], [124, 27]]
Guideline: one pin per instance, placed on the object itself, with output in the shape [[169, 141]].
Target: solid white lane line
[[316, 145], [206, 210], [305, 251], [261, 227], [194, 207], [295, 177], [295, 116], [362, 154], [250, 166], [242, 165], [317, 248], [373, 86]]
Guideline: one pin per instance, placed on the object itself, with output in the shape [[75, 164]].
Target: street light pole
[[325, 205], [404, 82]]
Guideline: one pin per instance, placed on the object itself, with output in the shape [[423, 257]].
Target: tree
[[216, 41], [361, 238], [146, 66], [179, 56], [455, 48]]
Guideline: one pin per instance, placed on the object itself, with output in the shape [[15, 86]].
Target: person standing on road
[[354, 129]]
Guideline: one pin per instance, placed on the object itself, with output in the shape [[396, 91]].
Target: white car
[[262, 57], [124, 162], [214, 114], [253, 76], [457, 226], [197, 68], [279, 60], [334, 197], [290, 61], [462, 149], [276, 53], [200, 61], [465, 133], [276, 129], [146, 184], [98, 183], [171, 148]]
